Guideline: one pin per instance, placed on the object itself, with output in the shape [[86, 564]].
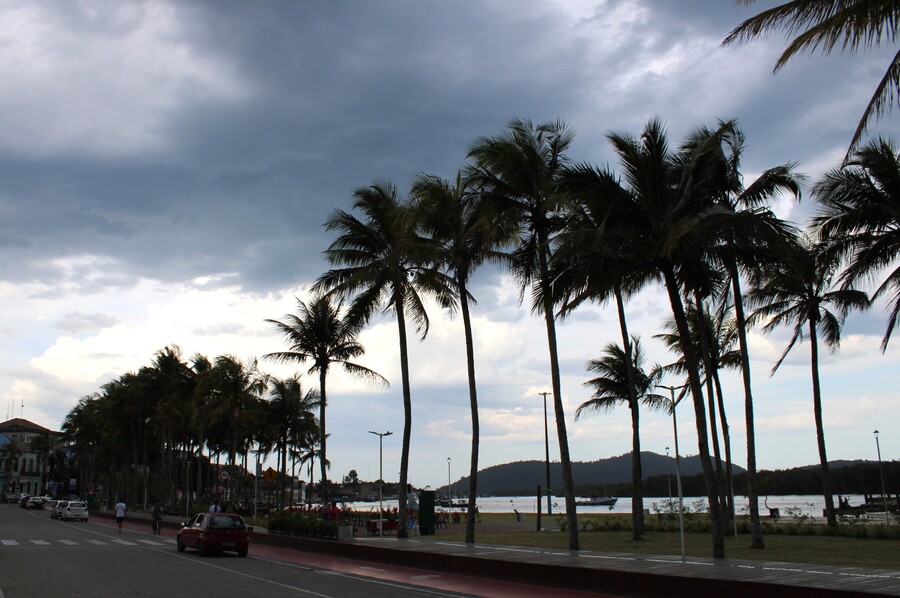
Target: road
[[44, 557]]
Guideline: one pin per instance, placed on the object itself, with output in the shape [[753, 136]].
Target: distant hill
[[522, 477]]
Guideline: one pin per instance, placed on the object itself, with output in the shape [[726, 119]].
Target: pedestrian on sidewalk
[[121, 509]]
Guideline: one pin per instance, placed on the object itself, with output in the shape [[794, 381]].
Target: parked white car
[[57, 509], [74, 510]]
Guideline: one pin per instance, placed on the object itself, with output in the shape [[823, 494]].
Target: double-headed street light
[[381, 436], [674, 403]]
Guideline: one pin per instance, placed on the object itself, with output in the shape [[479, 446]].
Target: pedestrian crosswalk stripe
[[97, 542], [9, 542], [68, 542], [41, 542], [150, 542], [124, 542]]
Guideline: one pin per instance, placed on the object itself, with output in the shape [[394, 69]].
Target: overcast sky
[[166, 168]]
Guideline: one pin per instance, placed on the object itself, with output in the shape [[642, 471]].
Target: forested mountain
[[613, 477], [521, 478]]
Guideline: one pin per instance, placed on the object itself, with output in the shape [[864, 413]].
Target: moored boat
[[597, 501]]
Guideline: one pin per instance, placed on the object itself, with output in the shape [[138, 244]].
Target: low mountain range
[[522, 477]]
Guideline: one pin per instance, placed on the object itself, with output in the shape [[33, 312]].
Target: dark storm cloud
[[332, 95]]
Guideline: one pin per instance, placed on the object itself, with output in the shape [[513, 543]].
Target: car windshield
[[226, 522], [77, 505]]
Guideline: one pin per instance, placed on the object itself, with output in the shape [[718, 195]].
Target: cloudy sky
[[166, 167]]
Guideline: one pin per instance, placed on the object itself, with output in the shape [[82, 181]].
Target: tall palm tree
[[593, 261], [466, 237], [619, 384], [673, 225], [385, 263], [318, 333], [826, 24], [761, 235], [518, 173], [799, 292], [860, 216], [714, 339]]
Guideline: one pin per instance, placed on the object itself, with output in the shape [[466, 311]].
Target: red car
[[214, 532]]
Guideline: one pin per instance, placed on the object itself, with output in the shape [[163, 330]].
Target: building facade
[[24, 450]]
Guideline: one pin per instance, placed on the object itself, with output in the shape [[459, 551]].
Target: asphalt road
[[43, 557]]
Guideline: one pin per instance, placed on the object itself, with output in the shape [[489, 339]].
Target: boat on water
[[597, 501]]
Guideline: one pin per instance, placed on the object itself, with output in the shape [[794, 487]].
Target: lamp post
[[547, 452], [881, 472], [674, 404], [668, 477], [449, 488], [381, 436]]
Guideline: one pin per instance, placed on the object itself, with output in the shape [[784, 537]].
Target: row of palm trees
[[572, 233], [569, 233], [159, 420]]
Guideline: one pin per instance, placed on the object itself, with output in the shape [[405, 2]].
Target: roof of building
[[22, 425]]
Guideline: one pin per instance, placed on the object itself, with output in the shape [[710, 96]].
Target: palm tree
[[235, 391], [799, 291], [518, 173], [713, 339], [736, 256], [319, 334], [860, 217], [448, 214], [386, 263], [289, 415], [592, 261], [826, 24], [673, 226], [617, 384]]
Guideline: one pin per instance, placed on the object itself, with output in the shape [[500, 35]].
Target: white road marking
[[68, 542], [151, 542], [41, 542], [97, 542], [123, 542], [9, 542]]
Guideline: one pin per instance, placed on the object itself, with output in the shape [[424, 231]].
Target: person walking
[[121, 509], [215, 508]]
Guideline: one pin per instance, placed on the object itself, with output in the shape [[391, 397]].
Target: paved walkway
[[622, 573]]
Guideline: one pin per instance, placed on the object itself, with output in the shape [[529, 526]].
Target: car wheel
[[179, 544], [201, 549], [242, 552]]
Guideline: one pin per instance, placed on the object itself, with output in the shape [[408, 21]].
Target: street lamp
[[674, 403], [881, 472], [547, 451], [668, 477], [449, 489], [381, 436]]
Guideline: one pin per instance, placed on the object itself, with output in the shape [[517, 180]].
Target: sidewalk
[[628, 574]]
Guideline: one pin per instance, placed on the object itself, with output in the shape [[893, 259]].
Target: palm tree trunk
[[756, 534], [705, 336], [691, 363], [820, 427], [726, 440], [323, 460], [564, 460], [407, 418], [473, 407], [637, 477]]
